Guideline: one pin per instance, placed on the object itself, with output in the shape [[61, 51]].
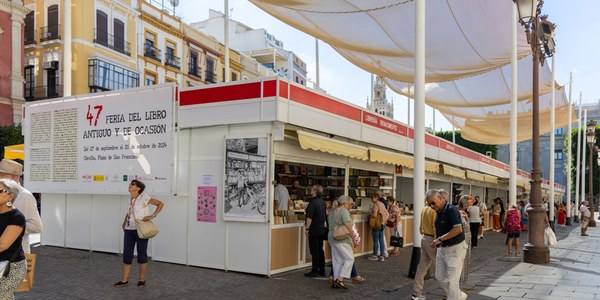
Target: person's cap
[[11, 167], [343, 199]]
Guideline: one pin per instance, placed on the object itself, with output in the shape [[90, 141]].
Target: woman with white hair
[[12, 228], [342, 257]]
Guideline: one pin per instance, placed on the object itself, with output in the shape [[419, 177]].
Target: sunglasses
[[3, 191]]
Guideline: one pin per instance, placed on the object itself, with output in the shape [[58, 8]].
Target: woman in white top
[[137, 210], [474, 222]]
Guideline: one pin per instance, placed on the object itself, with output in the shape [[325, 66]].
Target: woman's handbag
[[27, 283], [145, 229], [549, 237], [340, 232], [4, 268], [396, 240], [376, 222]]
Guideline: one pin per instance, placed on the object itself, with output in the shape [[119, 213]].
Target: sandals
[[358, 279], [517, 253], [509, 252], [338, 285]]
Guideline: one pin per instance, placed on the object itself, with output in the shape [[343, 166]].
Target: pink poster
[[207, 204]]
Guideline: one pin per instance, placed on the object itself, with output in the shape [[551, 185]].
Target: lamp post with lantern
[[591, 140], [535, 251]]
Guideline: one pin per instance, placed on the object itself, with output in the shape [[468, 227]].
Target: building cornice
[[12, 7], [201, 46], [152, 21]]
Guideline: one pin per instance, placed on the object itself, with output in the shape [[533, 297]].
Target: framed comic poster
[[245, 185]]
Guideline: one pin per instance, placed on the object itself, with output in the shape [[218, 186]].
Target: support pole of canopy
[[226, 29], [512, 181], [569, 143], [68, 54], [318, 71], [577, 165], [583, 146], [552, 137], [408, 103], [419, 136]]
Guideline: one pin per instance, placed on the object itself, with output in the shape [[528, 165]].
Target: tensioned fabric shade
[[379, 155], [453, 171], [324, 144], [490, 178], [15, 152], [468, 47]]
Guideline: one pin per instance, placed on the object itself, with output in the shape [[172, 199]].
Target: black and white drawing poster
[[245, 179]]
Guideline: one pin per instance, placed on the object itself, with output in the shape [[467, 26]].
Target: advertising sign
[[97, 143]]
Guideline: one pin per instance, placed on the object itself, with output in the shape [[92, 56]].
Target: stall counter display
[[364, 184], [331, 178]]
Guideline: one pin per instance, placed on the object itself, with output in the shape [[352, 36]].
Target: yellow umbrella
[[15, 152]]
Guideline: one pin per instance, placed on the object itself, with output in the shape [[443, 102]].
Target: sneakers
[[373, 257], [385, 254], [415, 297], [381, 258]]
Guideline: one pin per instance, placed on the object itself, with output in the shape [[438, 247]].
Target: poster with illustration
[[245, 179], [207, 204]]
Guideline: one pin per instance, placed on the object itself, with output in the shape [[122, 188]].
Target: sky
[[577, 31]]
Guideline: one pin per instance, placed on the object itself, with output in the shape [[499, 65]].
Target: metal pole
[[318, 85], [576, 208], [226, 29], [408, 103], [419, 139], [535, 250], [68, 54], [592, 222], [583, 148], [552, 146], [512, 181], [569, 145]]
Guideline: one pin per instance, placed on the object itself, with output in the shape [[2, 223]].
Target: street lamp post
[[535, 250], [591, 140]]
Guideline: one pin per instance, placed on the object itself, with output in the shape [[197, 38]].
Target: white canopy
[[467, 55]]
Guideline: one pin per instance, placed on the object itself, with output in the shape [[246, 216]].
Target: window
[[210, 67], [149, 49], [149, 79], [119, 36], [558, 131], [558, 155], [29, 82], [52, 31], [104, 76], [101, 28], [234, 77], [29, 29], [194, 64]]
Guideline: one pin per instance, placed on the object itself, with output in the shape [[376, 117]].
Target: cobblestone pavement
[[573, 273]]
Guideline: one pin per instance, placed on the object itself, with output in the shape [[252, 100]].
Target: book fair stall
[[211, 154]]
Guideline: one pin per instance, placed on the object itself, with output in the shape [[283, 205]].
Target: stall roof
[[324, 144]]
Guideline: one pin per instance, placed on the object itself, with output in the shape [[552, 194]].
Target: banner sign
[[97, 143]]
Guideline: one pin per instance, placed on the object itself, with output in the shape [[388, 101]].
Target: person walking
[[513, 229], [137, 210], [12, 230], [451, 238], [378, 208], [342, 257], [428, 253], [584, 213], [562, 215], [474, 213], [484, 213], [394, 219], [315, 231], [496, 211], [24, 201], [464, 205]]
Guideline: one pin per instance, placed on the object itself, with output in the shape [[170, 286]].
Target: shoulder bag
[[340, 232], [5, 265], [145, 229]]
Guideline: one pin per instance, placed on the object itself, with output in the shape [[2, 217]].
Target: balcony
[[29, 38], [50, 33], [211, 77], [108, 40], [153, 53], [43, 92], [195, 71], [173, 61]]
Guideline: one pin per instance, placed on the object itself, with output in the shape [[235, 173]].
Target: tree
[[481, 148], [586, 160], [10, 135]]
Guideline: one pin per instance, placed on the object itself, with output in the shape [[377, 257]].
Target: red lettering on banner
[[449, 147], [470, 154], [387, 125]]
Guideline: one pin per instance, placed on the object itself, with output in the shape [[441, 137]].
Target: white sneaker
[[373, 257], [463, 295], [415, 297], [381, 258]]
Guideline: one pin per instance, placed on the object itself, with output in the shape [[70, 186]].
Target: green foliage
[[586, 160], [481, 148], [10, 135]]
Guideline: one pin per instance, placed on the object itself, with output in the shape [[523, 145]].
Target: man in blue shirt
[[451, 240]]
